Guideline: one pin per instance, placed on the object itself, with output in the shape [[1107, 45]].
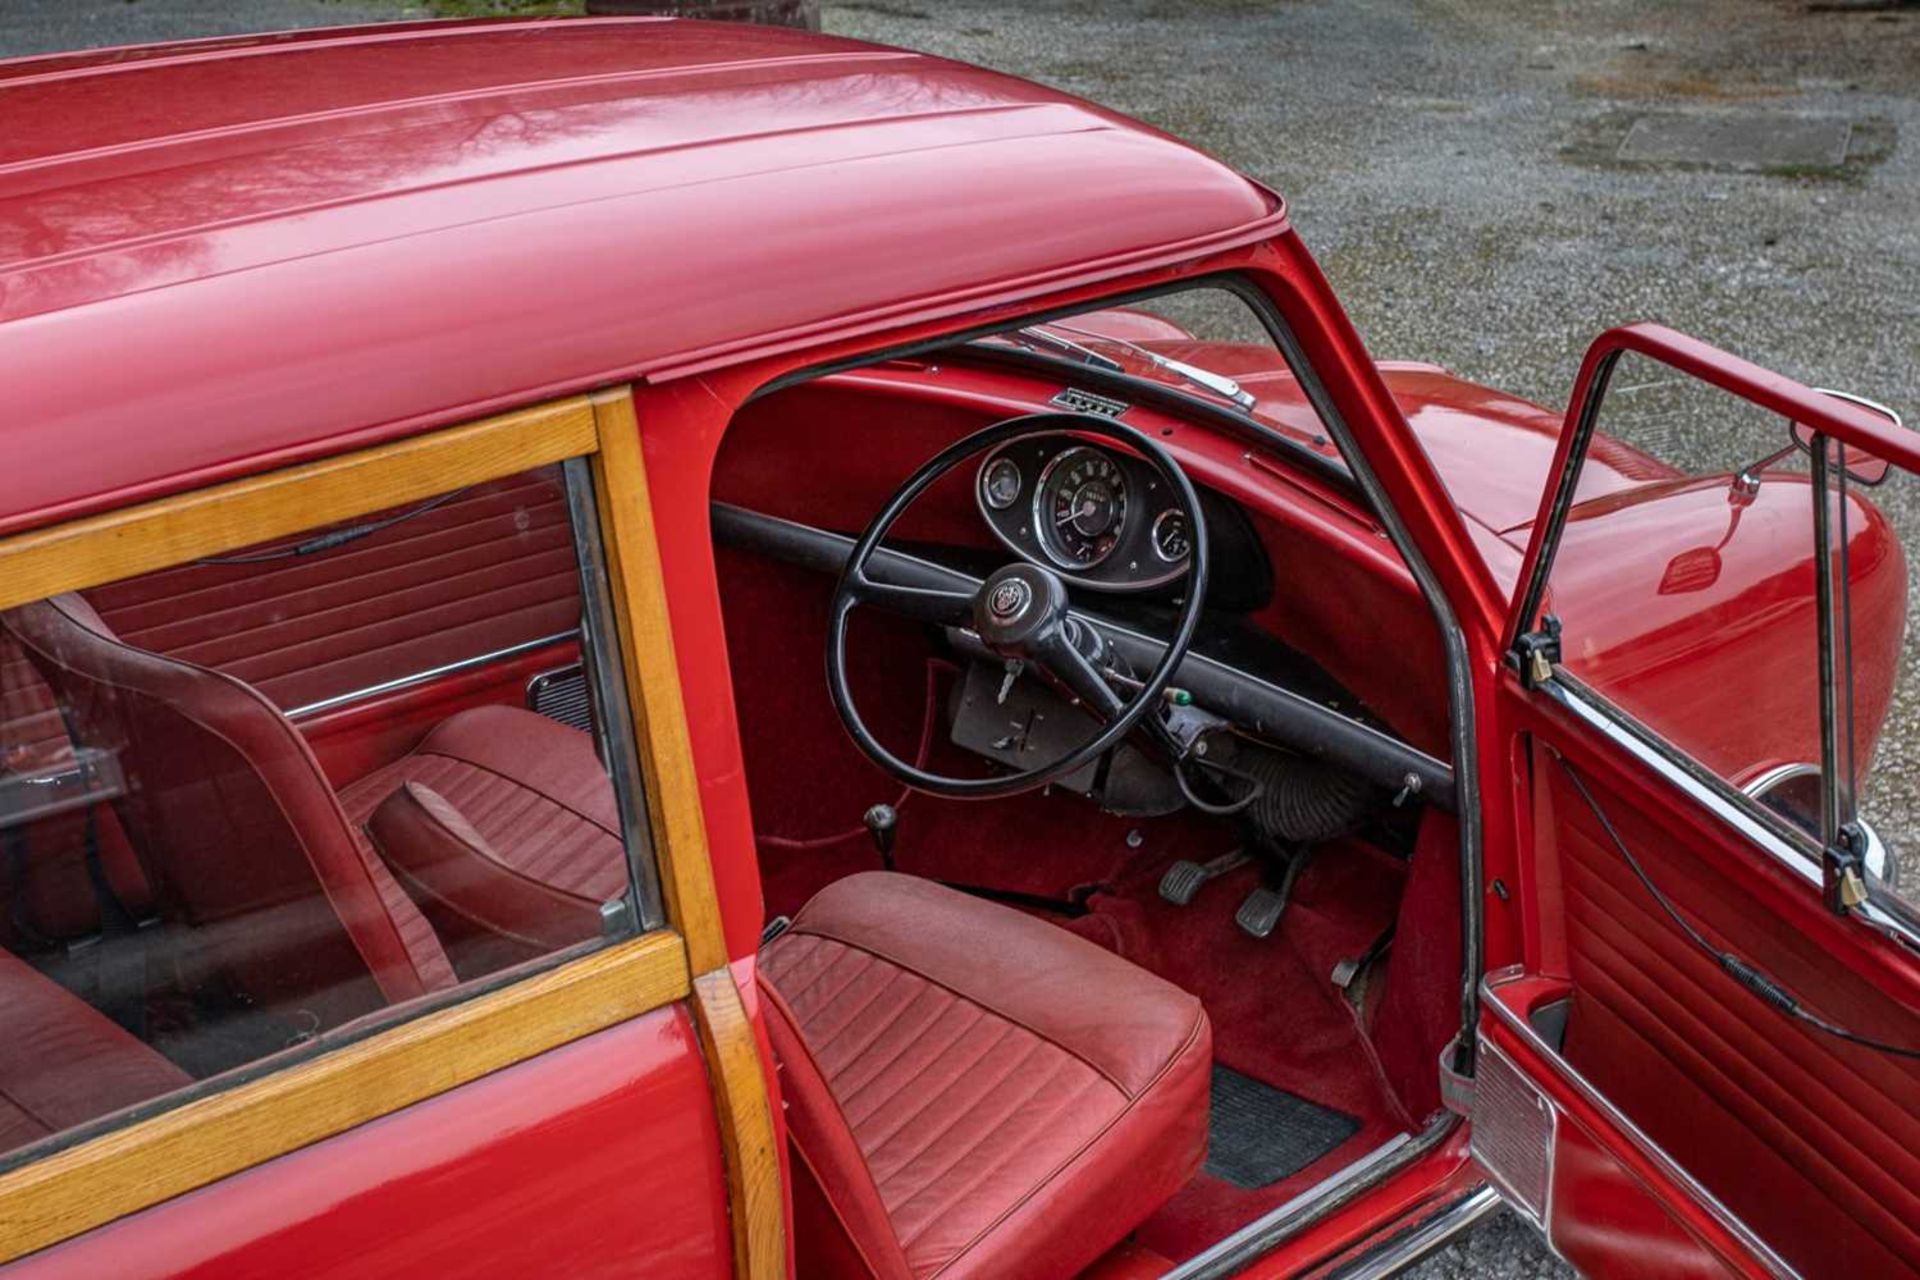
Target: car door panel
[[1636, 1238], [523, 1172], [1606, 1197], [1814, 1141], [1768, 1145]]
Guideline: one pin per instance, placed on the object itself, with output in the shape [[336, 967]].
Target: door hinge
[[1536, 652]]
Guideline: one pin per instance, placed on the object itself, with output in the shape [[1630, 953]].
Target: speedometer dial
[[1080, 507]]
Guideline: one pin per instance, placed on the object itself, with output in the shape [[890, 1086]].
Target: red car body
[[225, 257]]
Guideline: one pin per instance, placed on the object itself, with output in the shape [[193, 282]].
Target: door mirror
[[1862, 467]]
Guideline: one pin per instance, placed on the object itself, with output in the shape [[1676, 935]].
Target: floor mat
[[1258, 1134]]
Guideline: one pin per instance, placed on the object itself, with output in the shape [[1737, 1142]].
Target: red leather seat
[[970, 1091], [62, 1063], [504, 828], [235, 825]]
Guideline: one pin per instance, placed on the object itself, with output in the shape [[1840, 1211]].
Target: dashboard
[[1103, 519]]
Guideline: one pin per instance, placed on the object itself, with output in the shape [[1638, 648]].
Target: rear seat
[[63, 1063]]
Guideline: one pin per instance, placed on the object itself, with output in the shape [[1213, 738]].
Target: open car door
[[1707, 1062]]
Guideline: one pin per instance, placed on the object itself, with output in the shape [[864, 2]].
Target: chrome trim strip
[[1229, 1255], [1773, 777], [1403, 1251], [1670, 1168], [1876, 856], [1794, 858], [432, 673], [1890, 918]]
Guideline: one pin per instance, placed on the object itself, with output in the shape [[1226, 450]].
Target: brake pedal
[[1261, 912], [1186, 878]]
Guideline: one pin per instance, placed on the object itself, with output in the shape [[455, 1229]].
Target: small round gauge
[[1171, 540], [1000, 483], [1080, 507]]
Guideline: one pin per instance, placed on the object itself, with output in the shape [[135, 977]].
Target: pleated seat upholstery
[[503, 827], [973, 1092]]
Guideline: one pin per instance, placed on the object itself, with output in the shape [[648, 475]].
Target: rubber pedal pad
[[1182, 881], [1261, 912]]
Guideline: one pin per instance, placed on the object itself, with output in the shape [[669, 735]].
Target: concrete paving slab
[[1748, 141]]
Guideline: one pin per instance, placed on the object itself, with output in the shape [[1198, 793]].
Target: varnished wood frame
[[679, 832], [146, 1162]]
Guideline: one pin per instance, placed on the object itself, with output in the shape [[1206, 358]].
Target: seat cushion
[[972, 1091], [63, 1063], [501, 822]]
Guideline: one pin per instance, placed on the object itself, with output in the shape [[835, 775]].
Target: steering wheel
[[1021, 614]]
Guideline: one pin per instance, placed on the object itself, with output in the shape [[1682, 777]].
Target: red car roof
[[218, 255]]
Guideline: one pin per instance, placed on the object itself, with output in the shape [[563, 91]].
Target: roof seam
[[390, 105], [28, 267], [218, 48]]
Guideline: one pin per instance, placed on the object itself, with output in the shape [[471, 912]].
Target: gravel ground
[[1452, 163]]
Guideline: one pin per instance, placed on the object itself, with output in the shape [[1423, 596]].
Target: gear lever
[[880, 822]]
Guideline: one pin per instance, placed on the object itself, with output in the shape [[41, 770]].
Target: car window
[[1683, 586], [260, 803]]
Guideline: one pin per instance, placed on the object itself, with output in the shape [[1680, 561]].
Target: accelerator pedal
[[1347, 970], [1185, 878]]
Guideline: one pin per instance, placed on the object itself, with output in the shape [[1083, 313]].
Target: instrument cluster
[[1103, 519]]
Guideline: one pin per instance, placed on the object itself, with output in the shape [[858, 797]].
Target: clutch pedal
[[1186, 878]]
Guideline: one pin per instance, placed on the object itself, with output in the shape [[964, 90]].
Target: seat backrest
[[233, 819]]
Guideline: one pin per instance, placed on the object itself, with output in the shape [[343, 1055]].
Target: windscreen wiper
[[1053, 344], [1218, 383]]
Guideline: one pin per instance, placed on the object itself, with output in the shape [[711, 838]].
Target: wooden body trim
[[189, 1146], [201, 1140], [226, 517], [727, 1037]]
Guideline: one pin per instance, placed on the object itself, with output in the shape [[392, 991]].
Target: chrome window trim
[[432, 673], [1719, 798], [1618, 1121], [1609, 721]]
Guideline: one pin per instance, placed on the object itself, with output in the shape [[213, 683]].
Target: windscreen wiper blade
[[1053, 344], [1218, 383]]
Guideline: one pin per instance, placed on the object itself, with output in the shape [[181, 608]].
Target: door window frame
[[1829, 417], [195, 1137]]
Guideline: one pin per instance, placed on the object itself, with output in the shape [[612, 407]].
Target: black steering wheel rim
[[854, 587]]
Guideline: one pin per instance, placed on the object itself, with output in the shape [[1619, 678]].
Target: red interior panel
[[1813, 1142], [491, 568]]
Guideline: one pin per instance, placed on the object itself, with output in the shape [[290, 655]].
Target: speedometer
[[1080, 507]]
